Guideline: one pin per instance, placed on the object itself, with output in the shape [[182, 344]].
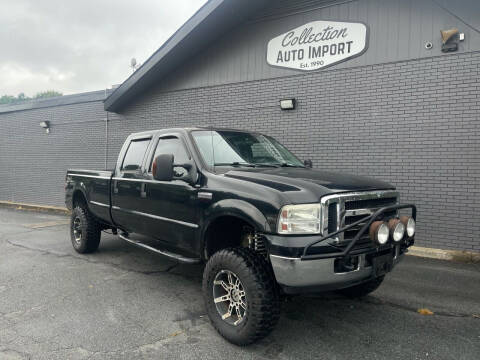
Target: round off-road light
[[397, 229], [379, 232], [409, 225]]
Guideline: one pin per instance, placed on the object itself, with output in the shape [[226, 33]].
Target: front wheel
[[240, 295], [85, 231]]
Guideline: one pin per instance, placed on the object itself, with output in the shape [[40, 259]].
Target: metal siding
[[398, 31]]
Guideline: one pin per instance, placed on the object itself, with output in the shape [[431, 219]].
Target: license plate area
[[382, 264]]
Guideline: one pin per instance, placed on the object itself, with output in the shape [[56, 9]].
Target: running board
[[166, 253]]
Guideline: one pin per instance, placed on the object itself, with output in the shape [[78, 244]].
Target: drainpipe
[[106, 135], [106, 140]]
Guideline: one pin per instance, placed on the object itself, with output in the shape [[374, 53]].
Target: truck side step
[[163, 252]]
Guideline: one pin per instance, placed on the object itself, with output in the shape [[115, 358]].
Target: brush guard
[[369, 220]]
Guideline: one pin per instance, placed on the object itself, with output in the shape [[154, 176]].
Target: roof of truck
[[186, 129]]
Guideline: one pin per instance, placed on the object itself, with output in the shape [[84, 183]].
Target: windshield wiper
[[266, 165], [291, 165], [235, 163], [277, 165]]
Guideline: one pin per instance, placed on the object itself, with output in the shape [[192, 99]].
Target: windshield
[[240, 148]]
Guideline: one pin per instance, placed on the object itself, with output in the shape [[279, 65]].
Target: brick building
[[390, 105]]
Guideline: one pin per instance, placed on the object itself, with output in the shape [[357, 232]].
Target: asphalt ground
[[125, 303]]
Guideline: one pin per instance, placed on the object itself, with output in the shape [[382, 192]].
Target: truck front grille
[[332, 218], [369, 203], [345, 209]]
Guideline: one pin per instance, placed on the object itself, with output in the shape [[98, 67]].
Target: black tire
[[85, 231], [363, 289], [262, 306]]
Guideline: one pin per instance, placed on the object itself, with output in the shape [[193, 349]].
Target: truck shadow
[[328, 320]]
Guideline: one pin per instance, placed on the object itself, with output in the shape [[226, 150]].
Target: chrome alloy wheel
[[229, 297], [77, 230]]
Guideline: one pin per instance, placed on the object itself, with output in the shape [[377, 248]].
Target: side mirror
[[162, 168], [308, 163], [191, 174]]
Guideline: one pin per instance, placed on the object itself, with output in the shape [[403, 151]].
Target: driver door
[[171, 205]]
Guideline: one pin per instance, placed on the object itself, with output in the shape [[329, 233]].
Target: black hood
[[307, 181]]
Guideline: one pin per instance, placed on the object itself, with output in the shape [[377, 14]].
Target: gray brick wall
[[413, 123], [33, 164]]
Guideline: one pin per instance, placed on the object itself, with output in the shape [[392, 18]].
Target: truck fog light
[[409, 224], [397, 229], [379, 232]]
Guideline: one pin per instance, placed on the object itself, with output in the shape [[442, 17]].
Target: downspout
[[106, 141], [106, 135]]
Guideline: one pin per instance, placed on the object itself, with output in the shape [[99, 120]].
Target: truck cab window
[[134, 156], [172, 145]]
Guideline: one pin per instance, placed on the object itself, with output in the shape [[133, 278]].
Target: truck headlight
[[300, 219], [379, 232], [397, 229], [409, 225]]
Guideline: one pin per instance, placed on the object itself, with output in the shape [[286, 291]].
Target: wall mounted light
[[46, 126], [450, 39], [287, 104]]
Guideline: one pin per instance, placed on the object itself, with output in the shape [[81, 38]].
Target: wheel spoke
[[226, 315], [230, 279], [222, 298], [239, 315], [222, 283]]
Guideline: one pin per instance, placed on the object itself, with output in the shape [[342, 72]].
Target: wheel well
[[226, 231], [78, 199]]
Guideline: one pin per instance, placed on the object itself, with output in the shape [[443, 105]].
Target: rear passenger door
[[127, 185]]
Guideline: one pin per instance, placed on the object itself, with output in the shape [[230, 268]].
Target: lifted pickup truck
[[265, 223]]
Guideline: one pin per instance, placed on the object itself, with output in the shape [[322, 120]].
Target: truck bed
[[95, 185], [90, 173]]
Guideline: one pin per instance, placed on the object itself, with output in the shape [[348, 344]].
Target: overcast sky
[[76, 46]]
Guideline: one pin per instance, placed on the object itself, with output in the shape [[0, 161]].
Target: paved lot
[[125, 303]]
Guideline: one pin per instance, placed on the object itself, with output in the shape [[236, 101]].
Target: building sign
[[317, 44]]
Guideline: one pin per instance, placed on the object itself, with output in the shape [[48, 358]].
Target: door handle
[[143, 190], [115, 187]]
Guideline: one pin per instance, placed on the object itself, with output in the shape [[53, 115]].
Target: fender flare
[[236, 208], [80, 187]]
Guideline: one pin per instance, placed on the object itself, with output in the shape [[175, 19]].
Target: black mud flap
[[382, 264]]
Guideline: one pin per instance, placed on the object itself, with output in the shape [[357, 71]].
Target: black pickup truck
[[265, 223]]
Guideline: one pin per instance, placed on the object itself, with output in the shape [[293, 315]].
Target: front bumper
[[295, 275], [326, 270]]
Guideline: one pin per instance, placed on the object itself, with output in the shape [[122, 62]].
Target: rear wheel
[[363, 289], [240, 295], [85, 231]]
